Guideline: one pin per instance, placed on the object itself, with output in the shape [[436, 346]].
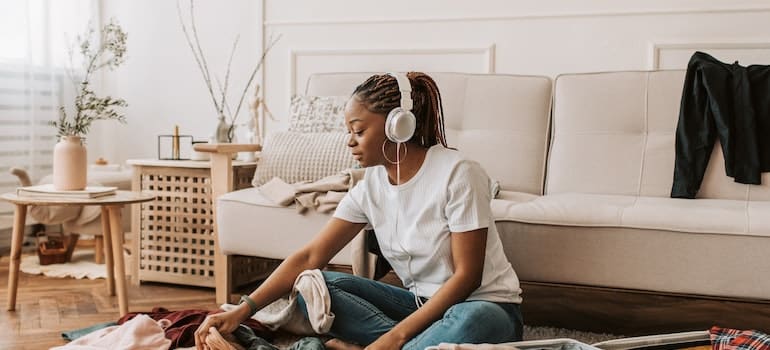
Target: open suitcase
[[675, 341]]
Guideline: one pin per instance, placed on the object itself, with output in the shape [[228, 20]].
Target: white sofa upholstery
[[485, 115], [607, 219], [585, 186]]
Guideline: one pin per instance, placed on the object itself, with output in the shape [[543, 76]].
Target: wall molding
[[519, 17], [655, 48], [294, 54]]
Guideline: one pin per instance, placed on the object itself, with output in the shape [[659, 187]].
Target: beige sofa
[[585, 165]]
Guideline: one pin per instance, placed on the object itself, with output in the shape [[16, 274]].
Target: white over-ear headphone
[[400, 123]]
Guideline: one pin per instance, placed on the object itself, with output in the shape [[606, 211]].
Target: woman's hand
[[225, 322], [387, 341]]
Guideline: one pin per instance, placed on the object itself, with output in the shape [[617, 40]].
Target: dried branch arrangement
[[219, 97]]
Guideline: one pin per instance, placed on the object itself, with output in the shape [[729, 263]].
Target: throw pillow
[[295, 156], [317, 113]]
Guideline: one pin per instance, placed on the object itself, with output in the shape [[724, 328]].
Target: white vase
[[69, 164]]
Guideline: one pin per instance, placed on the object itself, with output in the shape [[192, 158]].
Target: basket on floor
[[55, 247]]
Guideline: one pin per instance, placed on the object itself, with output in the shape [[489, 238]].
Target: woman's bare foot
[[336, 344]]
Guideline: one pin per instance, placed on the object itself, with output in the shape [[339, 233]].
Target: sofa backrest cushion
[[614, 133], [498, 120]]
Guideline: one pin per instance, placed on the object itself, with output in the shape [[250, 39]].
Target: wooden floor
[[47, 306]]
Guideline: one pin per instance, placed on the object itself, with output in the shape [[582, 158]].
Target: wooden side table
[[175, 240], [111, 227]]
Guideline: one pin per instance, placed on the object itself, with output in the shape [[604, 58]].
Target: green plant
[[108, 52]]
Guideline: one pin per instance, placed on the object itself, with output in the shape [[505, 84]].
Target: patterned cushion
[[295, 156], [317, 113]]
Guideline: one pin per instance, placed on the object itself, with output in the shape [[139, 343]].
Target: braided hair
[[380, 94]]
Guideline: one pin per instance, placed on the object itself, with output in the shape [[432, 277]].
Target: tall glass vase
[[70, 164], [223, 131]]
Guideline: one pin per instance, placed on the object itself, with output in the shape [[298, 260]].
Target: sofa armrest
[[221, 183]]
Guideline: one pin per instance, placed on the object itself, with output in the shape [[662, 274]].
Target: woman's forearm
[[314, 255], [280, 282]]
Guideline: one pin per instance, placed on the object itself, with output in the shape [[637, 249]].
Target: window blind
[[29, 99]]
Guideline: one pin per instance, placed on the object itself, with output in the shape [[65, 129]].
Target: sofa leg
[[223, 277]]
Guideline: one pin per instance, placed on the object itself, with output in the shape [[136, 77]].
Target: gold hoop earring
[[406, 150]]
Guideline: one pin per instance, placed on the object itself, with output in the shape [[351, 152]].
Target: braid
[[380, 95], [428, 109]]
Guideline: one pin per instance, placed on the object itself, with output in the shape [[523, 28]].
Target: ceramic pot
[[69, 164]]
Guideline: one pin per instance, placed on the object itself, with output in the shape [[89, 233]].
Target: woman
[[430, 210]]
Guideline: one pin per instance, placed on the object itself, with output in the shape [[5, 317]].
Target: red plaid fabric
[[734, 339]]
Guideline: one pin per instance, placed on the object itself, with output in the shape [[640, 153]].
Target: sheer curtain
[[35, 36]]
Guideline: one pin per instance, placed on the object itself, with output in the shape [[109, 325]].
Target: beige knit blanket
[[324, 195]]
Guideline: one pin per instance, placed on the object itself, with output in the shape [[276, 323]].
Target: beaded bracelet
[[252, 304]]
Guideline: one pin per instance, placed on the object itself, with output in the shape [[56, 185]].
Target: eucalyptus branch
[[70, 70], [89, 107]]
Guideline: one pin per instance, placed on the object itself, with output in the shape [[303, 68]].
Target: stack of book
[[48, 191]]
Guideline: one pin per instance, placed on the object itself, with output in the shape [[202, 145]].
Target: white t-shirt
[[413, 222]]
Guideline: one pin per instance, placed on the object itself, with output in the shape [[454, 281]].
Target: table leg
[[107, 240], [116, 231], [17, 237]]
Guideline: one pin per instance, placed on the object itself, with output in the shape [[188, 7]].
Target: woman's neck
[[410, 164]]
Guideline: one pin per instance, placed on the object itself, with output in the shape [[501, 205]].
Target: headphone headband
[[406, 90]]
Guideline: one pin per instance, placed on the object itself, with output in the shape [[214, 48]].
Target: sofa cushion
[[317, 113], [484, 115], [718, 216], [295, 156], [720, 265], [626, 121], [253, 225]]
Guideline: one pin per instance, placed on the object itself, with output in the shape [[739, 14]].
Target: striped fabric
[[734, 339], [294, 156]]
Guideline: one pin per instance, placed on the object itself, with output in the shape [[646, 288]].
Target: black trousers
[[728, 101]]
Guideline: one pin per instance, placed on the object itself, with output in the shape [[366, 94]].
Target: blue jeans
[[365, 309]]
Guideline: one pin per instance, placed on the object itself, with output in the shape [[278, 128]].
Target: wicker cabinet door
[[176, 242], [176, 236]]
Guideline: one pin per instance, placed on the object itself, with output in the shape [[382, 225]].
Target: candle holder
[[175, 147]]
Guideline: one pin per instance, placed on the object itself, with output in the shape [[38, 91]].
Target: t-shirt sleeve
[[350, 208], [468, 206]]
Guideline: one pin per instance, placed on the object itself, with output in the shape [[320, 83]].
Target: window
[[34, 80]]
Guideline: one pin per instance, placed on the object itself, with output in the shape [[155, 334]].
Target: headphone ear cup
[[400, 125]]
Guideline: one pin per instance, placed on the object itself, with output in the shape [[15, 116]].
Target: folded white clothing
[[283, 313]]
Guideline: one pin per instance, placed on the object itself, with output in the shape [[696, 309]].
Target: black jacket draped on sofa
[[729, 101]]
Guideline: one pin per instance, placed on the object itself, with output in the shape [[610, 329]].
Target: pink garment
[[141, 332]]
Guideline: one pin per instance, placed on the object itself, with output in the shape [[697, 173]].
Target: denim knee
[[488, 321], [333, 278], [472, 322]]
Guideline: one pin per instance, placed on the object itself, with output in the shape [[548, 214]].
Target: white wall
[[163, 86], [160, 79]]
